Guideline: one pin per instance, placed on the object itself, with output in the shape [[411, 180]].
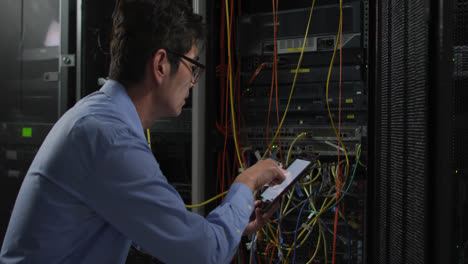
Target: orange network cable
[[272, 253], [257, 71], [274, 83]]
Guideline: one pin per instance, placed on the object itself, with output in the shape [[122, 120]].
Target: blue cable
[[297, 224], [280, 239], [253, 248]]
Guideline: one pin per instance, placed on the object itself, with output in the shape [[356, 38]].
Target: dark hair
[[143, 26]]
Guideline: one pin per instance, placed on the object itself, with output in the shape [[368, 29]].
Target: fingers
[[265, 216], [279, 176], [271, 211], [262, 173], [275, 175], [261, 218]]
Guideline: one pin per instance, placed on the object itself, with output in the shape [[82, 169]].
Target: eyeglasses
[[197, 68]]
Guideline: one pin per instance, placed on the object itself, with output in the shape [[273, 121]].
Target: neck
[[140, 94]]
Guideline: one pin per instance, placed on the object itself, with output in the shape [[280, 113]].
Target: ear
[[160, 66]]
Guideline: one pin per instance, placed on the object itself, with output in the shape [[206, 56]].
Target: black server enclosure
[[419, 191], [300, 121]]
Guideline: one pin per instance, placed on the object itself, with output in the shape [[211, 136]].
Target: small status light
[[456, 171], [26, 132], [453, 59], [248, 89]]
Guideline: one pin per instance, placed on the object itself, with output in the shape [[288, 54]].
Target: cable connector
[[257, 155], [306, 227], [248, 245], [340, 237], [333, 145], [280, 255]]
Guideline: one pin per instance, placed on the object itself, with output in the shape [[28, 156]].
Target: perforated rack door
[[401, 132]]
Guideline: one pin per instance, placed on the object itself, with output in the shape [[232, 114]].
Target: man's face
[[172, 97]]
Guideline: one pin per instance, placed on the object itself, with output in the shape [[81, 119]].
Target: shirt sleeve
[[129, 191]]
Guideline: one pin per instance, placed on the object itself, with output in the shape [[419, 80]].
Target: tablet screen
[[294, 171]]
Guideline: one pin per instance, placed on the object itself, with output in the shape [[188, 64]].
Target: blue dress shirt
[[95, 186]]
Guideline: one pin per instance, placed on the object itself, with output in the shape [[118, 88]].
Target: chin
[[177, 112]]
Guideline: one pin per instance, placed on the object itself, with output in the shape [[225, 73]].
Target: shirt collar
[[118, 94]]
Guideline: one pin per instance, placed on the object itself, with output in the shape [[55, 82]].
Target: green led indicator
[[453, 59], [248, 90], [26, 132]]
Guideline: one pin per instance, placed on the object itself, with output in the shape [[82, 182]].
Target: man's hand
[[264, 172], [258, 218]]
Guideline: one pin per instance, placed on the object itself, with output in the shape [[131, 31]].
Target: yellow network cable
[[318, 243], [311, 173], [301, 135], [310, 223], [316, 217], [302, 242], [230, 86], [327, 86], [334, 128], [324, 247], [321, 234], [305, 229], [206, 202], [324, 205], [289, 201], [294, 188], [294, 81], [357, 154], [149, 137]]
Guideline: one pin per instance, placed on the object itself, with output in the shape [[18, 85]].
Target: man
[[95, 187]]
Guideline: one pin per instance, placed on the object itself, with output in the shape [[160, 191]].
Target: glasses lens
[[196, 73]]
